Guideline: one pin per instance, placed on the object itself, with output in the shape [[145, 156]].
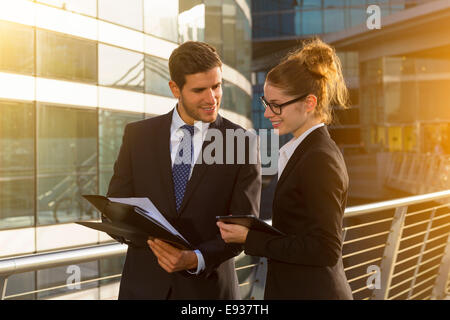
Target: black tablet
[[250, 222]]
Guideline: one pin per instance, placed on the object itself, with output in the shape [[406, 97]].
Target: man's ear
[[175, 90]]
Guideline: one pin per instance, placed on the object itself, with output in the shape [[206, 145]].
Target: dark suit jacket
[[308, 207], [143, 169]]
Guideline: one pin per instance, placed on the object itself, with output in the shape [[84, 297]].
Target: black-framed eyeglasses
[[276, 108]]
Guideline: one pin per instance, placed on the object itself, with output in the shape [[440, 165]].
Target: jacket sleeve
[[322, 186], [121, 184]]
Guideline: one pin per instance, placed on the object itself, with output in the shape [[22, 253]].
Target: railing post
[[3, 284], [260, 280], [390, 253], [422, 249], [440, 286]]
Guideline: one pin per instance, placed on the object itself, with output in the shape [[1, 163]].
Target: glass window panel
[[67, 163], [161, 18], [229, 96], [111, 126], [110, 267], [312, 21], [236, 100], [120, 68], [213, 24], [21, 283], [60, 56], [334, 15], [229, 32], [59, 276], [126, 13], [191, 22], [16, 48], [243, 45], [16, 164], [157, 76], [88, 7]]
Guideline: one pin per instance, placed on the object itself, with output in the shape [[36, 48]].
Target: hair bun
[[318, 57]]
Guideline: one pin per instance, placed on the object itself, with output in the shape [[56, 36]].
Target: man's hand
[[232, 233], [172, 259]]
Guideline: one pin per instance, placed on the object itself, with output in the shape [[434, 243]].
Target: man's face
[[200, 98]]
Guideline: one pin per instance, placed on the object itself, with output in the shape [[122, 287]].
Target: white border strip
[[16, 86], [17, 241], [59, 20], [67, 93]]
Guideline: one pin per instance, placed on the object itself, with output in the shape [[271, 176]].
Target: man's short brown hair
[[192, 57]]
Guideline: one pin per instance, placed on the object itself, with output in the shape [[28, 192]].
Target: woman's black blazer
[[308, 207]]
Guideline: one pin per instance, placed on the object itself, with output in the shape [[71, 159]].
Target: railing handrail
[[54, 259], [391, 204]]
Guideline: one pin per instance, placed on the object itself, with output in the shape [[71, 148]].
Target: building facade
[[397, 76], [73, 73]]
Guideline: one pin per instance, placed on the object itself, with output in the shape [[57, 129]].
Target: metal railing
[[397, 249], [418, 173]]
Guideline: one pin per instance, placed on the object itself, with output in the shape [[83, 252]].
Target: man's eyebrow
[[203, 88]]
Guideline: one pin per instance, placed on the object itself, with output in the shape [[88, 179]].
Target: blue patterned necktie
[[181, 168]]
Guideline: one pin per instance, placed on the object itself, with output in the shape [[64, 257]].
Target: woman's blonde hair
[[313, 69]]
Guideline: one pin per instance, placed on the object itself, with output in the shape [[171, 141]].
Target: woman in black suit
[[311, 193]]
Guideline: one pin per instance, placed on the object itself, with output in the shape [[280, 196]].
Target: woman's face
[[295, 117]]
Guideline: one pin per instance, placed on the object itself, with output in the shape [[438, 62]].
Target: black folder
[[129, 222], [251, 222]]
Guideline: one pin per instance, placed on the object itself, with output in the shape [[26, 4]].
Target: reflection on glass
[[110, 267], [229, 32], [126, 13], [157, 76], [334, 15], [235, 99], [16, 164], [358, 13], [213, 22], [67, 163], [312, 21], [88, 7], [111, 126], [161, 19], [16, 48], [57, 277], [59, 56], [191, 23], [243, 44], [120, 68], [21, 283]]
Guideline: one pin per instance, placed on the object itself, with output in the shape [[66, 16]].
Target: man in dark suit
[[160, 158]]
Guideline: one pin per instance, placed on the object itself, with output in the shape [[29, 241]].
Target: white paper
[[150, 210]]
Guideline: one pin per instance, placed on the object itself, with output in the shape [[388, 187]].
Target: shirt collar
[[289, 148], [177, 123]]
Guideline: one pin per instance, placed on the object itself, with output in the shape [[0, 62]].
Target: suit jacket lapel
[[298, 154], [199, 168]]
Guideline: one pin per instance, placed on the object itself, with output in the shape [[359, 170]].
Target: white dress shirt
[[176, 135], [288, 149]]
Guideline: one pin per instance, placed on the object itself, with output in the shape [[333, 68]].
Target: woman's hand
[[232, 233]]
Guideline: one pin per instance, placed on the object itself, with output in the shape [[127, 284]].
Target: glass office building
[[73, 73], [279, 25]]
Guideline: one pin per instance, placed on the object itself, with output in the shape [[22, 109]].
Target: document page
[[149, 209]]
